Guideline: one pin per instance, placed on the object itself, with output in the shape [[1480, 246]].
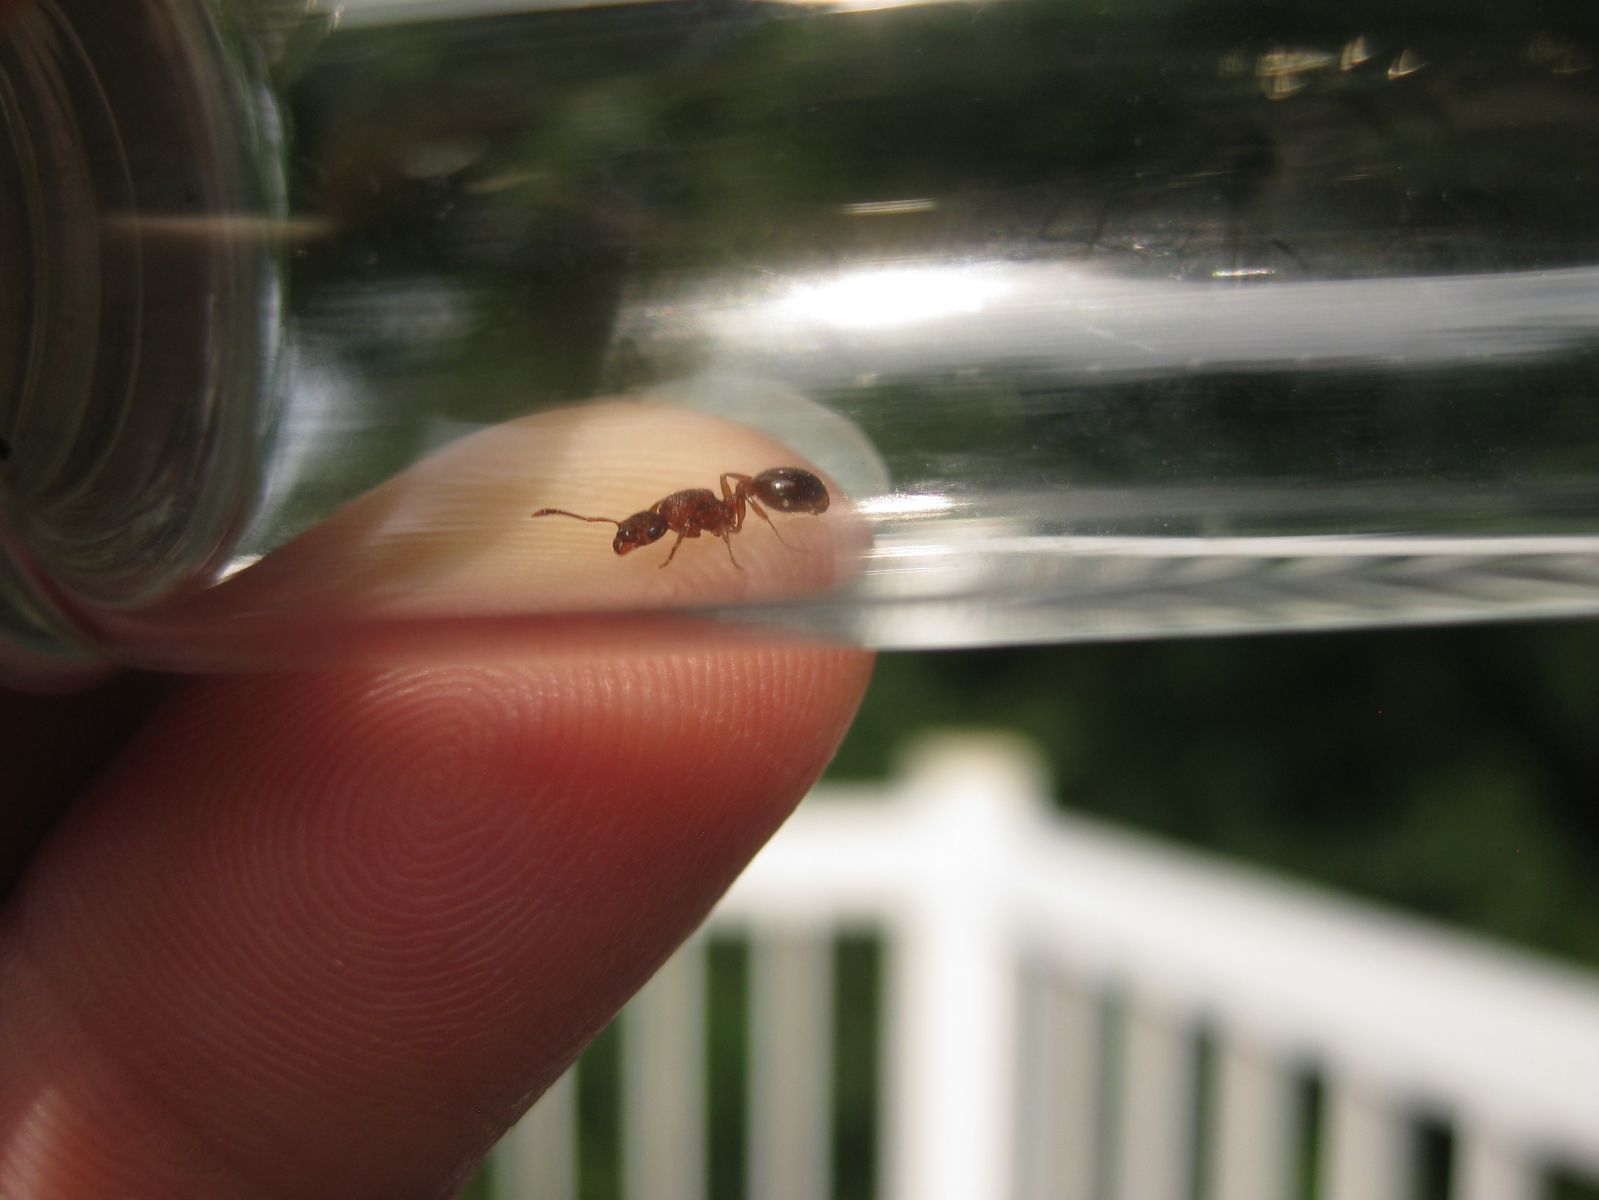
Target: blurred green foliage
[[727, 1032], [857, 1017], [599, 1117], [1454, 773]]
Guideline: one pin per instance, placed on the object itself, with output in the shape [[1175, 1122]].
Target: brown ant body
[[695, 511]]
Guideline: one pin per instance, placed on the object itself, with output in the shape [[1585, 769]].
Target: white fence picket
[[1488, 1168], [663, 1083], [1154, 1125], [1254, 1130], [1058, 1121], [1367, 1152], [538, 1157], [953, 984], [790, 1066]]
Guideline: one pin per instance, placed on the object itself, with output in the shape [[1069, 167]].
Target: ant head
[[641, 529], [791, 490]]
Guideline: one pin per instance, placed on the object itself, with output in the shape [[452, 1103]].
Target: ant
[[695, 511]]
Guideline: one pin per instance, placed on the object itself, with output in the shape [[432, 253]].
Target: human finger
[[328, 934]]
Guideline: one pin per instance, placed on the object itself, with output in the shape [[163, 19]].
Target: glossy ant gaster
[[699, 510]]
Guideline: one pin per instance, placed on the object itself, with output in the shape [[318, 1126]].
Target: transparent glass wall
[[1091, 320]]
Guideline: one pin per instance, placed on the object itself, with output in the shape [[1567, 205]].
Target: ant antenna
[[561, 512]]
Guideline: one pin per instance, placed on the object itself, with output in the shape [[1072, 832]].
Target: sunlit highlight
[[846, 6], [905, 504], [1408, 63], [890, 208], [239, 562], [881, 299], [1355, 53]]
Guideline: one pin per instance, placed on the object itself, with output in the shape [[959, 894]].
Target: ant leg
[[761, 513], [673, 554], [728, 542], [739, 496], [734, 497]]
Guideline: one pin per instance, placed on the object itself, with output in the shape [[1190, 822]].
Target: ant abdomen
[[791, 489]]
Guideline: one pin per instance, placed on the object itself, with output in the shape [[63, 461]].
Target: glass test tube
[[1096, 321]]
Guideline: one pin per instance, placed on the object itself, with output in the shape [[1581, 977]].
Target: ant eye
[[792, 489]]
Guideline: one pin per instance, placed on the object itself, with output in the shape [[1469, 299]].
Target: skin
[[455, 536], [329, 933]]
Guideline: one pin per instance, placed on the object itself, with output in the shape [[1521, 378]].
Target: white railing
[[1069, 1011]]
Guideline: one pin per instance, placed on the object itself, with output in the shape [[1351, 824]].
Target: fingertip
[[474, 531], [452, 556], [342, 926]]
